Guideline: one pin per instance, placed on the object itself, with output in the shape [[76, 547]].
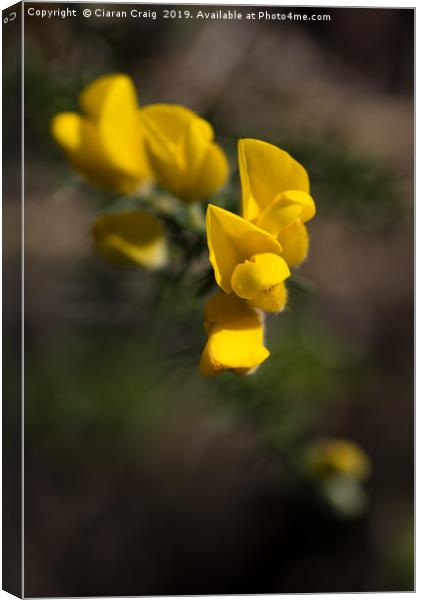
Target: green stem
[[196, 217]]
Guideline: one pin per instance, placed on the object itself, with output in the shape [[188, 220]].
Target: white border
[[292, 3]]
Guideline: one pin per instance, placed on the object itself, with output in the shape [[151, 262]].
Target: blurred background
[[142, 477]]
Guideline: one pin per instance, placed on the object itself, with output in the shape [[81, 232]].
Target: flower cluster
[[252, 255], [115, 144], [163, 159]]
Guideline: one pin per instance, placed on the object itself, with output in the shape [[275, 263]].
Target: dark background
[[143, 478]]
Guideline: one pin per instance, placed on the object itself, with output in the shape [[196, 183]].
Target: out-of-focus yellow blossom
[[105, 143], [131, 237], [235, 336], [246, 260], [185, 159], [338, 456], [275, 196]]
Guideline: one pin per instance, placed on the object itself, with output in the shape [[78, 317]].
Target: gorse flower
[[117, 145], [251, 255], [105, 142], [133, 237], [275, 196], [338, 456], [185, 159], [339, 468], [246, 260], [235, 336]]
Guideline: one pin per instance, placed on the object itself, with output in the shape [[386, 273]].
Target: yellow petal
[[226, 307], [118, 123], [95, 96], [80, 139], [92, 162], [166, 128], [66, 130], [231, 241], [184, 158], [211, 174], [238, 344], [131, 237], [194, 144], [285, 209], [271, 300], [261, 273], [163, 126], [167, 125], [236, 336], [209, 367], [106, 144], [170, 128], [295, 242], [207, 364], [277, 216], [297, 198], [265, 171], [169, 175]]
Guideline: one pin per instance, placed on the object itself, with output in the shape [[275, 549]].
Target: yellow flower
[[275, 196], [338, 456], [246, 260], [131, 237], [105, 143], [185, 159], [235, 337]]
